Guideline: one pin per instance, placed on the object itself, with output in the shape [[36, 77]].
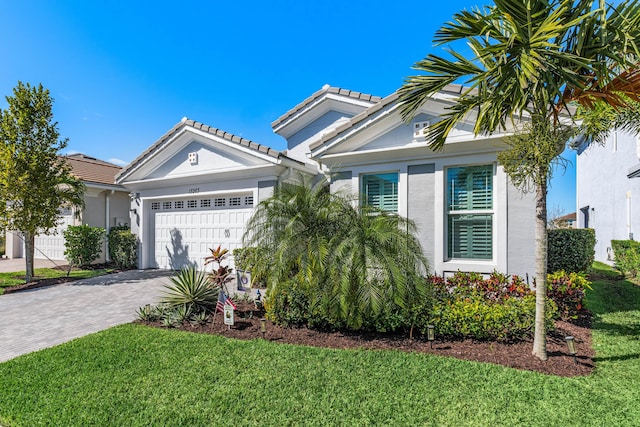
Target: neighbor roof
[[185, 122], [90, 169], [324, 90]]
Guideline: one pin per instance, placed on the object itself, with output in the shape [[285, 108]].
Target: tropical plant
[[348, 263], [35, 182], [528, 60], [191, 288], [220, 274]]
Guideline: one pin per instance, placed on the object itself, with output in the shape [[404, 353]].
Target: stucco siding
[[341, 183], [606, 195], [421, 206], [298, 143], [521, 215]]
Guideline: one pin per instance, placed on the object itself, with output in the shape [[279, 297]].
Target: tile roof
[[453, 89], [318, 94], [185, 122], [90, 169]]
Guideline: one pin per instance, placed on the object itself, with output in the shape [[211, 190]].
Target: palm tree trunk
[[540, 335], [29, 245]]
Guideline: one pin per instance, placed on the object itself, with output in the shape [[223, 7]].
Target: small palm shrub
[[567, 290], [191, 289]]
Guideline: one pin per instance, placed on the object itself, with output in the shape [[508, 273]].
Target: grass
[[17, 278], [138, 376]]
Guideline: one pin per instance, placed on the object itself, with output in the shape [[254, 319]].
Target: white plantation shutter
[[381, 191], [470, 212]]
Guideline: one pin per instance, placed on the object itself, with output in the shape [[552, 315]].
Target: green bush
[[567, 290], [83, 244], [501, 308], [123, 247], [570, 249], [627, 256], [479, 318]]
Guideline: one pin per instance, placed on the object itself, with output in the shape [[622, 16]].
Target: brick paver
[[41, 318]]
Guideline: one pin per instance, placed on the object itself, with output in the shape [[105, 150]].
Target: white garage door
[[52, 246], [185, 229]]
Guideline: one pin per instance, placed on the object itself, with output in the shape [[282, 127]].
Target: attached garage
[[51, 246], [185, 229]]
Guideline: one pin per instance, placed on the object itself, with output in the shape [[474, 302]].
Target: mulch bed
[[515, 355]]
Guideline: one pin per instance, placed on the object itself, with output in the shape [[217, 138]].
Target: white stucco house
[[608, 191], [106, 205], [196, 186]]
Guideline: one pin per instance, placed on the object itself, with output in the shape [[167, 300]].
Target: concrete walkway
[[40, 318], [18, 264]]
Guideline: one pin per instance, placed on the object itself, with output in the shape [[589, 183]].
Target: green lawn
[[17, 278], [133, 375]]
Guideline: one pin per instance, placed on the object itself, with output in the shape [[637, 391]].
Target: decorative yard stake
[[263, 326]]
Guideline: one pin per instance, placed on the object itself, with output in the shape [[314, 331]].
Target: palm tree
[[353, 260], [530, 59]]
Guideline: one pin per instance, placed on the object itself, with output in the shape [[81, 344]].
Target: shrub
[[567, 290], [192, 290], [570, 249], [479, 318], [123, 247], [83, 244], [627, 256], [497, 308]]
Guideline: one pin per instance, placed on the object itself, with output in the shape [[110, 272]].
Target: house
[[106, 205], [608, 190], [564, 221], [196, 186]]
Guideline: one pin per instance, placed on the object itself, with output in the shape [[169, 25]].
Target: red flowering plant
[[567, 290]]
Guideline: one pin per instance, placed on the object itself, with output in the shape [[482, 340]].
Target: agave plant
[[191, 289]]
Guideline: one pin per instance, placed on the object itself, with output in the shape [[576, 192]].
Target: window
[[470, 212], [179, 204], [234, 201], [155, 206], [380, 190], [219, 202], [248, 200], [192, 204], [166, 205], [205, 203]]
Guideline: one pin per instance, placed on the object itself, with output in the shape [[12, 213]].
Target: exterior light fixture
[[431, 335], [571, 344], [263, 326]]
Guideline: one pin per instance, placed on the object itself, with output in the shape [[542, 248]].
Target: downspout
[[107, 225]]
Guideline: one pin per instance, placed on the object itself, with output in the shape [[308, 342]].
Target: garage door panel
[[185, 237]]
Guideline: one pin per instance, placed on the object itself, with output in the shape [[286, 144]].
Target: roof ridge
[[317, 94], [92, 160]]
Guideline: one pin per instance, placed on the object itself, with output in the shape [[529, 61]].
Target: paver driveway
[[41, 318]]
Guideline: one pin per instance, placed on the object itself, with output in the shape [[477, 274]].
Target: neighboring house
[[106, 205], [608, 191], [564, 221], [196, 186]]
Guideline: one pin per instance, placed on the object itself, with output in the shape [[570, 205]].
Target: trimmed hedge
[[570, 249], [83, 244], [123, 247], [627, 256]]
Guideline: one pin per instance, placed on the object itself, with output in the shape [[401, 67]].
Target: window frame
[[477, 212], [381, 203]]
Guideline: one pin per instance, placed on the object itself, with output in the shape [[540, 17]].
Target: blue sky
[[124, 72]]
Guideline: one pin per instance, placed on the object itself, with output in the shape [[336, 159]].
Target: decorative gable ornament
[[419, 129]]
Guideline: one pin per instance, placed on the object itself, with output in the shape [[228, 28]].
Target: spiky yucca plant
[[191, 288]]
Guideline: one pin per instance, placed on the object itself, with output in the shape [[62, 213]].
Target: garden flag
[[222, 300]]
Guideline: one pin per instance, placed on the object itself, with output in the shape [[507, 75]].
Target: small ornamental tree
[[34, 180], [83, 244]]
